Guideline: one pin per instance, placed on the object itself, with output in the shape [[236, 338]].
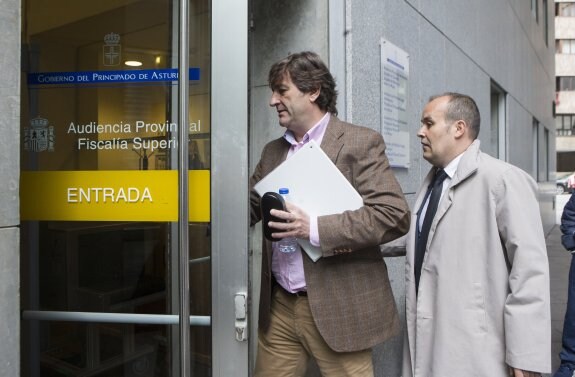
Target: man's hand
[[297, 224], [514, 372]]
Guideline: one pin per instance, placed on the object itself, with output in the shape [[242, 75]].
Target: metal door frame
[[229, 198], [229, 211]]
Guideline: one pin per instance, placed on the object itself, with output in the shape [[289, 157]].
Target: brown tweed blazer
[[348, 288]]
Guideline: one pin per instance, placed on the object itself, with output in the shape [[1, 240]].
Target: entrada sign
[[150, 195]]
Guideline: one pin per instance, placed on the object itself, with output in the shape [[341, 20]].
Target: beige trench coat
[[483, 299]]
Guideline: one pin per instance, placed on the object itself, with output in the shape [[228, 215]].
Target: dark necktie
[[435, 188]]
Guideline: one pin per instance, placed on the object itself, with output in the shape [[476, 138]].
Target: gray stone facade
[[9, 187]]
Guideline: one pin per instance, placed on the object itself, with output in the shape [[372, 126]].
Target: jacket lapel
[[332, 141], [277, 155], [467, 166]]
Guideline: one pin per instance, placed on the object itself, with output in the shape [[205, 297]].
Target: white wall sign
[[394, 76]]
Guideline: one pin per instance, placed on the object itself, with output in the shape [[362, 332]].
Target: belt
[[298, 294]]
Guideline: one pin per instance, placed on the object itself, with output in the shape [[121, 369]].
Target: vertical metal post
[[183, 234], [229, 184]]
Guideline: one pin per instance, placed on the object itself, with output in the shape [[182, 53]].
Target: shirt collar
[[452, 166], [315, 133]]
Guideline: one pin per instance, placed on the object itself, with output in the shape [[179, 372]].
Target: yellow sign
[[130, 195]]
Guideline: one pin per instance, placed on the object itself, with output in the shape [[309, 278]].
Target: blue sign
[[104, 77]]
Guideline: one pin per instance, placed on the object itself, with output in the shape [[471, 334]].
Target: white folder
[[315, 185]]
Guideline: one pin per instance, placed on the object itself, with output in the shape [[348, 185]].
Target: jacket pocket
[[478, 315]]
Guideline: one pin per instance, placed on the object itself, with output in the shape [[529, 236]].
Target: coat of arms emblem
[[39, 137], [112, 50]]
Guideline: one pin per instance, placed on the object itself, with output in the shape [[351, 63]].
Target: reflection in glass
[[77, 349], [96, 125]]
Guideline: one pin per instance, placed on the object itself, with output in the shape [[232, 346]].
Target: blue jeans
[[567, 354]]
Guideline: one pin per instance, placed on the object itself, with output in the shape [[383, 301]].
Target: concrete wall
[[278, 29], [566, 99], [564, 28], [453, 45], [564, 64], [462, 46], [9, 187]]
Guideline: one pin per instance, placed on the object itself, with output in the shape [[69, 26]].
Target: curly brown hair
[[308, 73]]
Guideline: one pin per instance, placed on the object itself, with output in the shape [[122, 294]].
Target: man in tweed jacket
[[336, 309]]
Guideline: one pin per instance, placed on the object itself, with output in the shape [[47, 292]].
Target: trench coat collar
[[468, 164]]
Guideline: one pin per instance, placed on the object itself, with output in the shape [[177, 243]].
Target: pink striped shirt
[[288, 267]]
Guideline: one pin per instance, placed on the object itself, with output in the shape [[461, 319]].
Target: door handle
[[240, 306]]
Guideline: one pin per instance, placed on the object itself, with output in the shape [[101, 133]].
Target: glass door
[[126, 268]]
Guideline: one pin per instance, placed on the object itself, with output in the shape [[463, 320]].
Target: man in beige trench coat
[[482, 306]]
